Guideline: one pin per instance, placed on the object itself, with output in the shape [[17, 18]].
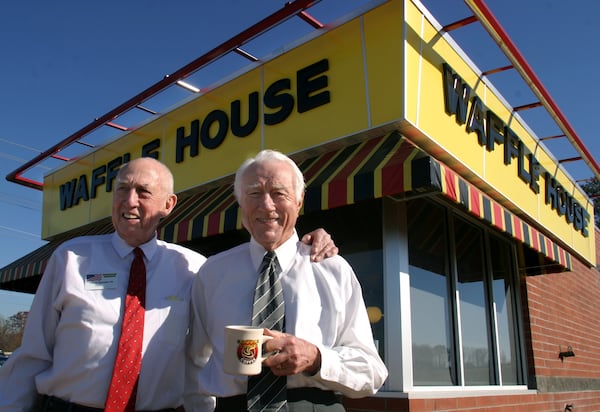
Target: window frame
[[398, 327]]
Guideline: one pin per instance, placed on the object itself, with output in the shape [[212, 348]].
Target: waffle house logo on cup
[[247, 351]]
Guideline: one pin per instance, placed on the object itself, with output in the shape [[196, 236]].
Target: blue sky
[[67, 62]]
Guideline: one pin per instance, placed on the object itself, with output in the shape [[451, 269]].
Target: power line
[[22, 232], [33, 149], [20, 159], [11, 199]]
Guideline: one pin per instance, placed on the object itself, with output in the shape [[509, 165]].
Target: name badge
[[99, 281]]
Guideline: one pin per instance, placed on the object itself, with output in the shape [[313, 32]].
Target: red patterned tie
[[123, 386]]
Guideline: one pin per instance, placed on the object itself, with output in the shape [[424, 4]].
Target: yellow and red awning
[[367, 170], [385, 166], [428, 173]]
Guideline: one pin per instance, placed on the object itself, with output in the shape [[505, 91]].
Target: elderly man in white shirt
[[327, 347], [66, 359]]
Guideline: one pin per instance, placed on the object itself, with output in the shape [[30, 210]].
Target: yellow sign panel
[[501, 157], [304, 98], [346, 113], [387, 69]]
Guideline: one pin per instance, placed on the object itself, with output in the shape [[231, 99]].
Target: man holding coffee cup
[[326, 345]]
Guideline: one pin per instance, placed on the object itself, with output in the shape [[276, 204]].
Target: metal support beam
[[290, 9], [502, 39]]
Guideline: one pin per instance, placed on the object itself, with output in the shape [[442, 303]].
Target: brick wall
[[564, 310], [543, 402]]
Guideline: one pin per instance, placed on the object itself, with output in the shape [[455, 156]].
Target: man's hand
[[292, 355], [322, 245]]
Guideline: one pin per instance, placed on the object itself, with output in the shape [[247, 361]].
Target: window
[[463, 299], [504, 310], [357, 231], [429, 292]]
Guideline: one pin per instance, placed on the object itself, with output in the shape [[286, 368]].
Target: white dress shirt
[[323, 305], [72, 331]]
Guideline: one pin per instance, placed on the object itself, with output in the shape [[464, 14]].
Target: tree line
[[592, 188], [11, 331]]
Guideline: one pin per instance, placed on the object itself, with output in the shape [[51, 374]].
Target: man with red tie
[[99, 338]]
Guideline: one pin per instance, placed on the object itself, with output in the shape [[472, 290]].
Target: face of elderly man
[[141, 198], [268, 202]]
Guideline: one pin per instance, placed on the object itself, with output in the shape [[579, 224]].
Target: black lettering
[[561, 206], [237, 128], [517, 149], [113, 169], [67, 193], [535, 169], [495, 129], [476, 120], [569, 205], [582, 218], [220, 118], [457, 95], [81, 193], [308, 82], [151, 149], [513, 146], [182, 141], [97, 179], [273, 99], [551, 197]]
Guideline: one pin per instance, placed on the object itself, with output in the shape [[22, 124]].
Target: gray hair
[[268, 155]]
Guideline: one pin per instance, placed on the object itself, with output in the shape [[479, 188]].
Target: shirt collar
[[285, 253], [123, 249]]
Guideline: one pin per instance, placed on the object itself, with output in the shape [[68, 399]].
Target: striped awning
[[385, 166], [366, 170], [34, 263], [428, 174], [369, 170], [204, 214]]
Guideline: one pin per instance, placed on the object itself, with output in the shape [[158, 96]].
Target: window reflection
[[463, 299], [431, 332], [502, 264], [472, 304]]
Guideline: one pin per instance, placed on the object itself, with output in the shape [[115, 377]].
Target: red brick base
[[546, 402]]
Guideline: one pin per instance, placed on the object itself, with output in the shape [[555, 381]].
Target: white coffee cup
[[243, 350]]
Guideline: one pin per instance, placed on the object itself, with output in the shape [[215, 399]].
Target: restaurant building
[[475, 248]]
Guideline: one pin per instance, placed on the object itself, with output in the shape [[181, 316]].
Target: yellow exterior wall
[[442, 136], [384, 72]]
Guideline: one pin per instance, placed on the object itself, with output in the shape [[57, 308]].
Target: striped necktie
[[267, 392], [123, 386]]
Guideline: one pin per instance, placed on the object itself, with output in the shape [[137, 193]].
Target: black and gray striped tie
[[266, 392]]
